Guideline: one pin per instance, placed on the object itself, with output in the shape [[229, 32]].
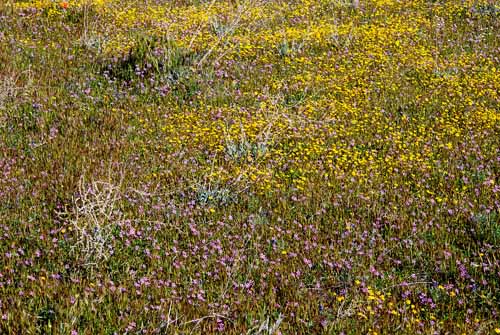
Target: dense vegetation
[[249, 167]]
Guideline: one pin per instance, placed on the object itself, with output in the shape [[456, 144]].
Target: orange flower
[[64, 4]]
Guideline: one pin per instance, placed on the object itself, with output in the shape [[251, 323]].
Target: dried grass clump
[[93, 215]]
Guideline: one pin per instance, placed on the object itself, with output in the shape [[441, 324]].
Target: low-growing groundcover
[[249, 167]]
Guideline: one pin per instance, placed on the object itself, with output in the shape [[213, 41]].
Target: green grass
[[249, 167]]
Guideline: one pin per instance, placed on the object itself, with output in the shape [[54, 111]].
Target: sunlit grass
[[249, 167]]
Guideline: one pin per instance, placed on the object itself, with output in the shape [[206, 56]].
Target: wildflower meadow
[[249, 167]]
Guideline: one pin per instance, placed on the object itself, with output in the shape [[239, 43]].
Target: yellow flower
[[362, 315]]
